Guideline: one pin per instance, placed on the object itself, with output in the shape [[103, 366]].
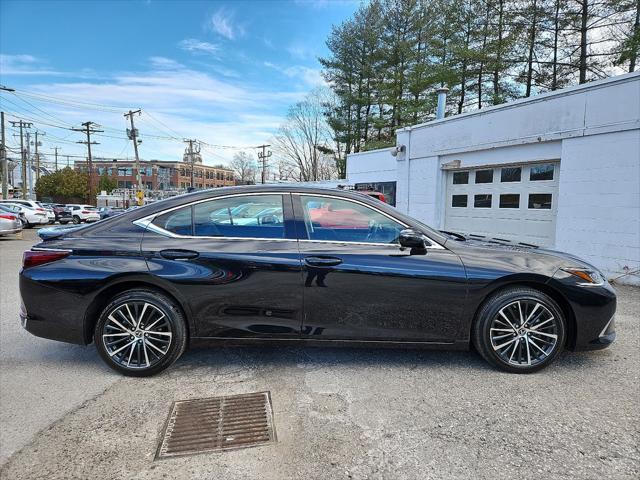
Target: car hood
[[513, 256]]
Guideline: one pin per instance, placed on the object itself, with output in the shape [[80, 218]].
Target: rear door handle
[[322, 261], [178, 254]]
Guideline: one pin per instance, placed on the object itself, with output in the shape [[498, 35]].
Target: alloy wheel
[[524, 333], [137, 335]]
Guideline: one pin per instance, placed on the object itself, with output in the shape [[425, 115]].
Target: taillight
[[8, 216], [85, 212], [40, 210], [33, 258]]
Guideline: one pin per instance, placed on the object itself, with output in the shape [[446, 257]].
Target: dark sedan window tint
[[251, 216], [338, 220], [177, 221], [541, 172]]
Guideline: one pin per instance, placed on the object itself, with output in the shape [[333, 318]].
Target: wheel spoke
[[154, 346], [141, 316], [116, 334], [550, 335], [120, 325], [532, 312], [521, 315], [535, 327], [498, 347], [146, 356], [526, 342], [154, 323], [536, 345], [111, 354], [166, 334], [133, 347], [508, 321]]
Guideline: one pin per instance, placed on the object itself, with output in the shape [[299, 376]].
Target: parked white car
[[50, 213], [33, 216], [84, 213]]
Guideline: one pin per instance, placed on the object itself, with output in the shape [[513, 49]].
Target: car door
[[239, 273], [359, 283]]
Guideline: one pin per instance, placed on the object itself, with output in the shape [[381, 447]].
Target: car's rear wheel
[[140, 333], [519, 330], [76, 219]]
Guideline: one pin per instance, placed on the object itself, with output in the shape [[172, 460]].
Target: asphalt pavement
[[339, 413]]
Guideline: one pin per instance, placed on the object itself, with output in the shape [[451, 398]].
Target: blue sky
[[221, 71]]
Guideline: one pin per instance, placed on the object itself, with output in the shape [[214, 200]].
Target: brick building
[[160, 174]]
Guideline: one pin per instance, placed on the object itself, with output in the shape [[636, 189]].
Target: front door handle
[[178, 254], [322, 261]]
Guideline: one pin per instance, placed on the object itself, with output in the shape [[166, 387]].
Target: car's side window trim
[[147, 222], [300, 221]]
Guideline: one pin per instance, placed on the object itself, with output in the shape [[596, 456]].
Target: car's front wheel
[[140, 333], [519, 330]]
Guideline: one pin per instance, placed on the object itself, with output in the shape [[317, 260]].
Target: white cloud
[[193, 103], [223, 23], [24, 65], [197, 46], [311, 77]]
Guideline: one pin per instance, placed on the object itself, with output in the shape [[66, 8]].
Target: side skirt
[[300, 342]]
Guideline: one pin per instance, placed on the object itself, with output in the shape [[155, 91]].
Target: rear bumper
[[10, 231], [51, 313]]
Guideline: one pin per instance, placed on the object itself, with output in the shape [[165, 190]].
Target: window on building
[[540, 201], [510, 174], [250, 216], [541, 172], [484, 176], [459, 201], [510, 200], [482, 201], [460, 178], [341, 220]]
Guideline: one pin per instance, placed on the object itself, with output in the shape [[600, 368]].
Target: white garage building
[[560, 170]]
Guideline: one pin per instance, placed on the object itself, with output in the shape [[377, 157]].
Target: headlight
[[590, 277]]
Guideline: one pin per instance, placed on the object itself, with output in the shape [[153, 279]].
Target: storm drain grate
[[217, 423]]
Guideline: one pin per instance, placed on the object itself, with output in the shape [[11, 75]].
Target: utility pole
[[88, 130], [55, 149], [263, 156], [23, 125], [37, 144], [191, 160], [133, 134], [3, 156]]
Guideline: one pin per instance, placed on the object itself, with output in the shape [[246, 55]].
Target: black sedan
[[290, 265]]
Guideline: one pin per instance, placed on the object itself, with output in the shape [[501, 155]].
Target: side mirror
[[412, 239]]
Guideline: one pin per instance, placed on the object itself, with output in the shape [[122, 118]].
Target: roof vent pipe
[[442, 102]]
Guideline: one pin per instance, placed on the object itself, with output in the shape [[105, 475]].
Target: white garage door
[[515, 202]]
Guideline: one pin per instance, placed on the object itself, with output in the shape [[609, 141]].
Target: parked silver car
[[9, 223]]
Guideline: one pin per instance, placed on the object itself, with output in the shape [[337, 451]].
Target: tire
[[76, 220], [508, 345], [128, 350], [64, 223]]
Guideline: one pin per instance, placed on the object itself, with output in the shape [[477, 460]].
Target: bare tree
[[244, 167], [302, 139]]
